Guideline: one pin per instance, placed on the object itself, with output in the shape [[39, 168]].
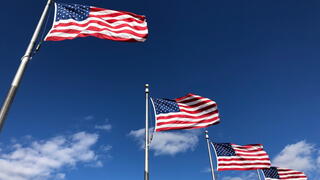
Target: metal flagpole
[[24, 61], [258, 174], [146, 149], [210, 156]]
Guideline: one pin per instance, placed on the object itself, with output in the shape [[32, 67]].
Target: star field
[[165, 106], [72, 11]]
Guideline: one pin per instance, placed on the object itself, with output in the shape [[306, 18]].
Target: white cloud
[[301, 156], [106, 127], [232, 178], [169, 143], [41, 160], [296, 156], [60, 176]]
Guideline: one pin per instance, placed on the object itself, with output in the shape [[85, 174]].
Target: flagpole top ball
[[206, 132]]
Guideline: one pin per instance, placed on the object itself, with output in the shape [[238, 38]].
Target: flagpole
[[210, 156], [258, 174], [146, 149], [24, 61]]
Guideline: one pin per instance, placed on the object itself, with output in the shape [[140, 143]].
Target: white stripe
[[247, 147], [243, 162], [250, 153], [190, 97], [237, 157], [189, 114], [290, 175], [294, 178], [195, 108], [243, 166], [121, 17], [143, 24], [108, 33], [108, 12], [188, 119], [195, 101], [185, 125], [74, 27], [104, 12]]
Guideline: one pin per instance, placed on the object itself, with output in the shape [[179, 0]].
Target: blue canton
[[224, 149], [271, 173], [165, 106], [72, 11]]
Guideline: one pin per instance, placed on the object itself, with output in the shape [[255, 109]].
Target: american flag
[[237, 157], [74, 20], [188, 112], [275, 173]]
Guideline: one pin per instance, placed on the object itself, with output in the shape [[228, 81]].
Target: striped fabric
[[188, 112], [237, 157], [275, 173], [73, 20]]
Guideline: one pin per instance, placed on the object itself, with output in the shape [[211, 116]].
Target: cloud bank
[[169, 143], [41, 160], [301, 156]]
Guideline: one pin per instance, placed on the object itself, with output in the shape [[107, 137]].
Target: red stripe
[[181, 98], [116, 20], [253, 168], [95, 9], [291, 173], [91, 28], [194, 105], [188, 122], [188, 116], [193, 99], [98, 35], [293, 177], [186, 127], [114, 15], [247, 146], [200, 110], [249, 151], [100, 23], [250, 155], [244, 164]]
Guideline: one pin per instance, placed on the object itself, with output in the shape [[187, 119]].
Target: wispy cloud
[[302, 156], [169, 143], [41, 160], [89, 117], [105, 127]]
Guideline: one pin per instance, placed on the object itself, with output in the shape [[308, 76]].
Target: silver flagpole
[[146, 149], [210, 156], [24, 61], [258, 174]]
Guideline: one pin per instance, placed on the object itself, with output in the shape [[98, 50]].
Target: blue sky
[[81, 102]]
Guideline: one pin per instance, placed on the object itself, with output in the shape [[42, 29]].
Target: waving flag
[[188, 112], [237, 157], [275, 173], [73, 20]]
